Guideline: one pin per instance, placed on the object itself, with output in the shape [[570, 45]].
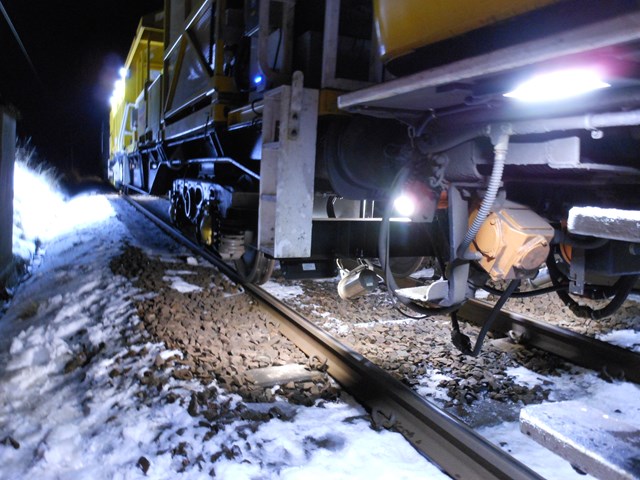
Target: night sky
[[76, 48]]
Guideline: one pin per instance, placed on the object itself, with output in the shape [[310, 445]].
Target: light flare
[[42, 213], [118, 88], [404, 205], [558, 85]]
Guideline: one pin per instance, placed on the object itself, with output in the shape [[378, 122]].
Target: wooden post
[[7, 159]]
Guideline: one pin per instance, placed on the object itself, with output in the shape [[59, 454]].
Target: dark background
[[77, 48]]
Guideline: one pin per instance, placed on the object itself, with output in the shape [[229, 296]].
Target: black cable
[[622, 288], [462, 342], [253, 108], [405, 314], [436, 244], [331, 202], [532, 293], [383, 254], [586, 243], [513, 285], [275, 60]]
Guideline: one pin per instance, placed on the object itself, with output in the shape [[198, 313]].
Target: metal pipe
[[444, 143], [577, 122], [591, 121]]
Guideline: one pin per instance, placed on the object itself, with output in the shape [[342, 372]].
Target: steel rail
[[440, 437], [579, 349]]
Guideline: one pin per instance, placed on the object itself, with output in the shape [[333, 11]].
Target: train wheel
[[254, 266], [176, 211], [402, 267]]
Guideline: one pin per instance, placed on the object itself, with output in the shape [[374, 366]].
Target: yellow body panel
[[143, 63], [404, 25]]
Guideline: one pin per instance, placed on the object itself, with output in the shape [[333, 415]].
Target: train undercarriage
[[274, 132]]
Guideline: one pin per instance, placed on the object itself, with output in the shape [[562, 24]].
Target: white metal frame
[[287, 170]]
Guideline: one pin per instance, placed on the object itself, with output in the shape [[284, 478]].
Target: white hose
[[500, 155]]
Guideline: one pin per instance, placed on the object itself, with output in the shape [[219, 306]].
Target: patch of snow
[[508, 437], [166, 354], [178, 283], [634, 297], [180, 272], [610, 214], [481, 294], [282, 292], [397, 321], [424, 273], [627, 338], [618, 399], [526, 377], [334, 429], [36, 203], [428, 385], [145, 296], [335, 279]]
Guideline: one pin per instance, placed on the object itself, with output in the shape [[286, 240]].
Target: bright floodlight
[[558, 85], [123, 72], [118, 93], [404, 205]]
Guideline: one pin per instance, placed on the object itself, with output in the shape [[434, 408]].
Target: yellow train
[[498, 138]]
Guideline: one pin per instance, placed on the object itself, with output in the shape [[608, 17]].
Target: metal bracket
[[458, 271], [295, 105], [577, 271], [287, 170], [427, 293]]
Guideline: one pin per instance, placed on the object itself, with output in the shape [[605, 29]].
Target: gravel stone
[[233, 335]]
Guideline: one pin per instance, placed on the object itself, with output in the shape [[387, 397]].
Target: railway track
[[612, 361], [441, 437], [447, 441]]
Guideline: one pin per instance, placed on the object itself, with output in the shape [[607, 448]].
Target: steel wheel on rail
[[254, 266], [403, 267]]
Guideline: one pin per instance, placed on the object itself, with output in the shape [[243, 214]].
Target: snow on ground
[[626, 338], [179, 284], [428, 385], [282, 292], [74, 402], [32, 219], [619, 399]]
